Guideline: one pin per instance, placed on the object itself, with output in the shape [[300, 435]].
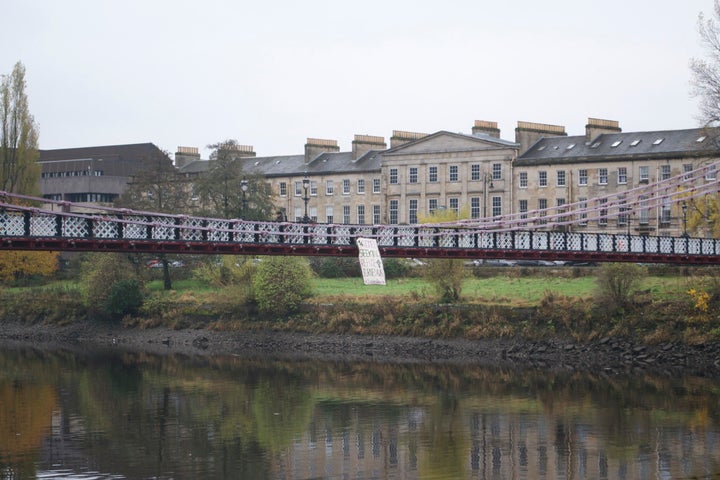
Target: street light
[[684, 218], [244, 187], [306, 199]]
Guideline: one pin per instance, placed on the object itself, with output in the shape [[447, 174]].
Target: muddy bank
[[611, 356]]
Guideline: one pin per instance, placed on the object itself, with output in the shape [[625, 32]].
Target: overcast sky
[[272, 74]]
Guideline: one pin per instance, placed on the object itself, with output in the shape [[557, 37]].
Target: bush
[[100, 271], [446, 275], [395, 268], [125, 298], [617, 282], [226, 270], [335, 267], [281, 284]]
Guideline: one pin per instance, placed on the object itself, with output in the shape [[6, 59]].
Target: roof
[[293, 165], [620, 147], [128, 151]]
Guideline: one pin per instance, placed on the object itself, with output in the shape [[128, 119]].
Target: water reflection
[[116, 414]]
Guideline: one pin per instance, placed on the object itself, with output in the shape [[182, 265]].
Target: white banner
[[370, 261]]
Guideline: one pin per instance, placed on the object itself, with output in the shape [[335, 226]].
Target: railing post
[[231, 231], [204, 231], [306, 235], [395, 236], [58, 225], [281, 229], [352, 236], [26, 221], [256, 235], [436, 237], [89, 224], [148, 228], [120, 228], [176, 232]]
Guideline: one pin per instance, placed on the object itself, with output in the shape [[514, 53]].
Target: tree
[[281, 284], [159, 188], [19, 171], [220, 188], [445, 274], [706, 72]]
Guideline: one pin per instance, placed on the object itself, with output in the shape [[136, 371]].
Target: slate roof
[[294, 165], [620, 147]]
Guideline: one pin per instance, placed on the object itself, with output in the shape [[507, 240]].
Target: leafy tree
[[445, 274], [220, 188], [100, 274], [16, 265], [281, 284], [19, 170], [158, 188]]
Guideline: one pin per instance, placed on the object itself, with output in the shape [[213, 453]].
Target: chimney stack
[[245, 151], [185, 156], [401, 138], [598, 126], [489, 128], [527, 133], [364, 143], [316, 146]]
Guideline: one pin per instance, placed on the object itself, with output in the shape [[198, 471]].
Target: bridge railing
[[36, 224]]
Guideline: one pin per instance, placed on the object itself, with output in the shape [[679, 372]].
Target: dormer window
[[615, 144], [658, 141]]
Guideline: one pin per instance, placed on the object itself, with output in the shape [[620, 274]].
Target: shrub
[[617, 283], [100, 272], [335, 267], [226, 270], [281, 284], [395, 268], [446, 275], [125, 298]]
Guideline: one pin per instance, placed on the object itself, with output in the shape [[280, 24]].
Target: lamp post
[[684, 218], [244, 187], [306, 199], [486, 176]]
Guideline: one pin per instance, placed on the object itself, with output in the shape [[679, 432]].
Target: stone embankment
[[610, 356]]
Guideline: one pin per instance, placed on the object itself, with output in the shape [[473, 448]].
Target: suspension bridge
[[557, 234]]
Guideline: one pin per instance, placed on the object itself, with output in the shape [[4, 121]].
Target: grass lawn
[[499, 290]]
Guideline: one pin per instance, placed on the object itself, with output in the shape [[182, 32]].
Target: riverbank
[[608, 355]]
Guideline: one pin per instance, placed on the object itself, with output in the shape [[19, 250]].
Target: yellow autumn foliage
[[19, 264]]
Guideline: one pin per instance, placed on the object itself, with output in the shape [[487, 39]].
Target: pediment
[[448, 142]]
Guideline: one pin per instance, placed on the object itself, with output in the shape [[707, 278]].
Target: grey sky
[[271, 74]]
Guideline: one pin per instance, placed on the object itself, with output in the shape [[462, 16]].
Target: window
[[523, 179], [644, 174], [454, 204], [361, 214], [497, 171], [542, 178], [412, 210], [329, 214], [687, 167], [376, 214], [542, 206], [623, 215], [393, 176], [475, 172], [298, 214], [665, 213], [313, 188], [432, 205], [583, 210], [523, 208], [561, 178], [298, 189], [603, 212], [453, 173], [376, 185], [433, 174], [313, 214], [644, 218], [329, 188], [602, 176], [664, 172], [560, 202], [496, 206], [474, 207], [346, 187], [622, 175], [413, 175], [283, 189], [711, 173], [346, 214], [360, 186], [582, 177], [393, 212]]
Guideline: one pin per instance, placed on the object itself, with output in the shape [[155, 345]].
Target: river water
[[114, 414]]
